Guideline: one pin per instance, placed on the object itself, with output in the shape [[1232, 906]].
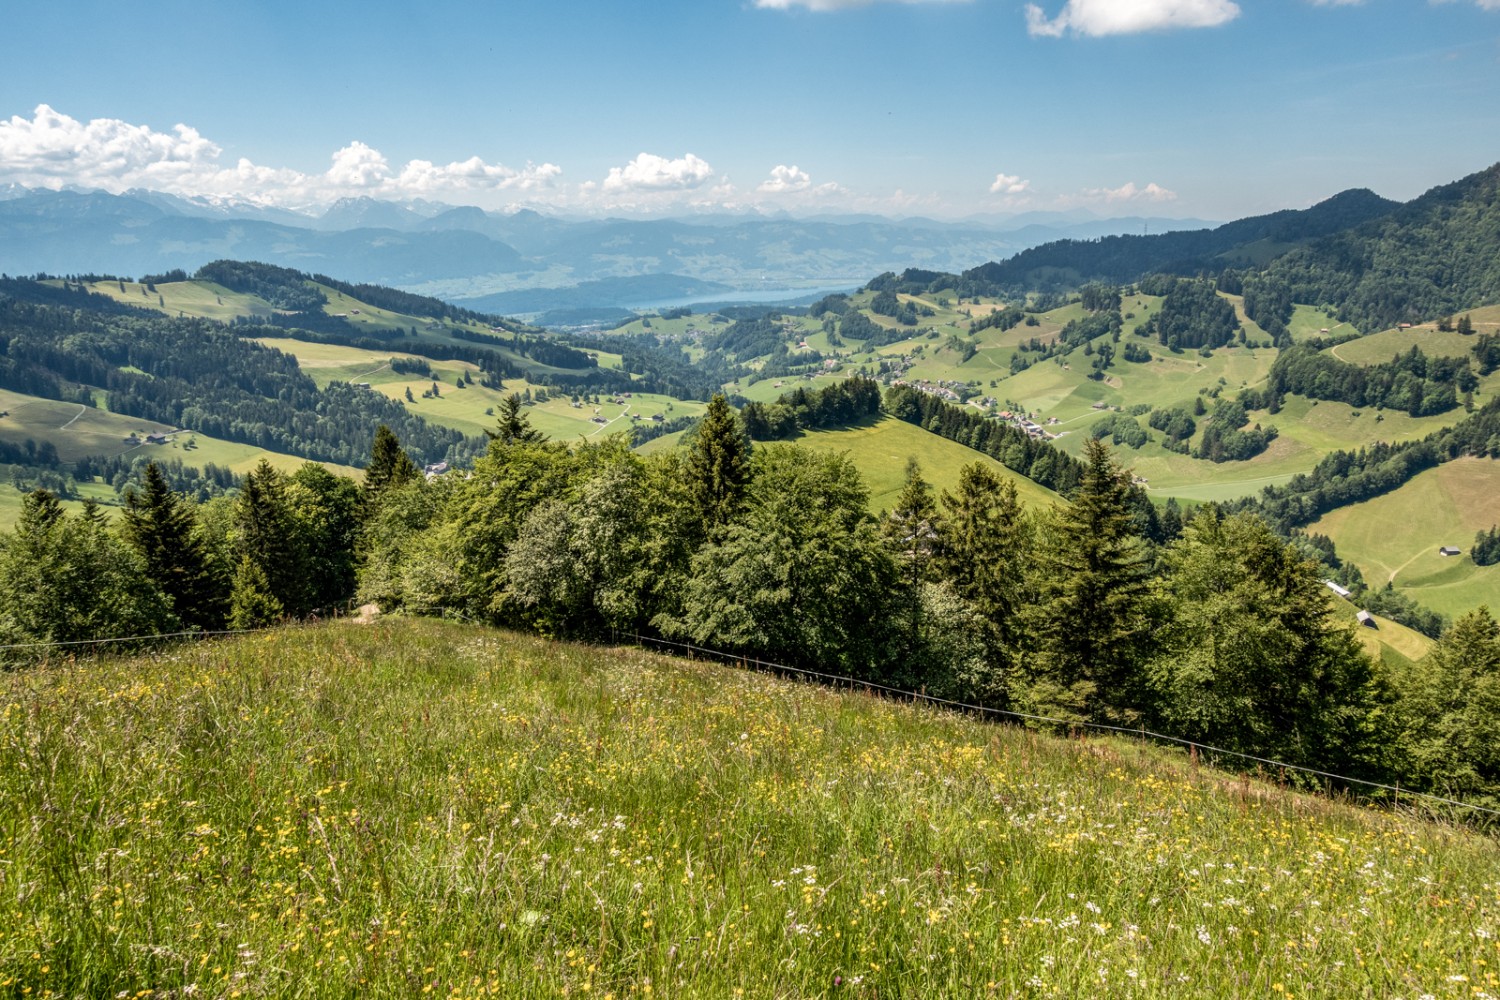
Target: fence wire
[[921, 696]]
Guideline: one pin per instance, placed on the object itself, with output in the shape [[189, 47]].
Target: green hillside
[[882, 448], [413, 808], [1396, 537]]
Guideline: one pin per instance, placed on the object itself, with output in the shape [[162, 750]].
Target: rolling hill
[[413, 806]]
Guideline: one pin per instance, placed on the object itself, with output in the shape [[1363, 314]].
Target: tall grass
[[414, 808]]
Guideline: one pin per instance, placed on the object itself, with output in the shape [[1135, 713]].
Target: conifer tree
[[390, 466], [158, 524], [1450, 713], [718, 465], [910, 533], [514, 425], [984, 545], [1090, 630], [267, 533], [252, 604]]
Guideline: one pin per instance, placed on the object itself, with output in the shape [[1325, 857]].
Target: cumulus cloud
[[824, 6], [1129, 192], [54, 150], [784, 179], [1128, 17], [649, 172], [1009, 184]]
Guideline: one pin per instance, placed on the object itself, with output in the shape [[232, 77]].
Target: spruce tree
[[158, 524], [514, 425], [390, 466], [1089, 631], [267, 533], [984, 546], [910, 533], [718, 467], [252, 604]]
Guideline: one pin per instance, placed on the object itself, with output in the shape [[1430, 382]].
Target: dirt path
[[604, 427], [1408, 562], [367, 374], [81, 410]]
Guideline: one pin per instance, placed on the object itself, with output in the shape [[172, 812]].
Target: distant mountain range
[[469, 255]]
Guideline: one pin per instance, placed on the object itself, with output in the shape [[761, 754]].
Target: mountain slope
[[410, 804], [1123, 259], [1437, 254]]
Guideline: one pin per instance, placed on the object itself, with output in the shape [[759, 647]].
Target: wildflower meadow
[[415, 808]]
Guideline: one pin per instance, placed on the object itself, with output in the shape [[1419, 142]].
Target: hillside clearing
[[1395, 537], [411, 807], [881, 448]]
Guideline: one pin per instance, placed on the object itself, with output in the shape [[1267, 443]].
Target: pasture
[[1395, 537], [411, 808]]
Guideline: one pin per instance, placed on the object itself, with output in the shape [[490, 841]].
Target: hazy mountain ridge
[[467, 253], [1125, 258]]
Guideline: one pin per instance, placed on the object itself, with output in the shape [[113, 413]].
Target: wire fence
[[922, 696], [770, 666]]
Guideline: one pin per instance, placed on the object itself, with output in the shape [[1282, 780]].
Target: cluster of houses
[[133, 439], [941, 388], [1030, 426]]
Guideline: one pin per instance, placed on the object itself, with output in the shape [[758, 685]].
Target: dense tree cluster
[[1411, 382], [1177, 426], [1221, 632], [1004, 319], [1486, 550], [200, 375], [282, 287], [1037, 460], [840, 404], [1225, 438], [1124, 259], [1121, 429], [1193, 316], [1427, 259]]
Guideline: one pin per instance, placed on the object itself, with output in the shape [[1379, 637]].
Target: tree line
[[1221, 633], [199, 374]]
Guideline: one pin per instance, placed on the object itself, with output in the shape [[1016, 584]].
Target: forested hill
[[196, 373], [1434, 255], [1123, 259]]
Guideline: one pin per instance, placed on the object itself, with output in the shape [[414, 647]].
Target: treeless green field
[[882, 448], [412, 808], [1379, 348], [1396, 536], [198, 299]]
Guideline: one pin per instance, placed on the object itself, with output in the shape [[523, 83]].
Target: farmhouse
[[435, 470], [1448, 550], [1368, 620], [1341, 591], [156, 439]]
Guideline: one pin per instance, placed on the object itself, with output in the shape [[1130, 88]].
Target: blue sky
[[1206, 108]]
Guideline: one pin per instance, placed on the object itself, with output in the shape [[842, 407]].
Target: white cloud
[[784, 179], [1009, 184], [1127, 17], [53, 150], [1129, 192], [824, 6], [648, 172]]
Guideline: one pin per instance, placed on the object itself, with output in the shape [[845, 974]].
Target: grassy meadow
[[881, 448], [1396, 536], [413, 808]]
